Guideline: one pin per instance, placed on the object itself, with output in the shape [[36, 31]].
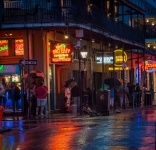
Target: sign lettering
[[61, 52]]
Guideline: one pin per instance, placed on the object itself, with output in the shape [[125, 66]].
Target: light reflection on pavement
[[124, 131]]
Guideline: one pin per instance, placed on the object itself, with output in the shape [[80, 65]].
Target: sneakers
[[42, 115]]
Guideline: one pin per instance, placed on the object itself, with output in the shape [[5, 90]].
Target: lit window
[[3, 47], [19, 47]]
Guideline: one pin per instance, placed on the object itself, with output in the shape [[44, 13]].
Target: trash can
[[103, 102], [74, 109], [85, 96], [147, 99]]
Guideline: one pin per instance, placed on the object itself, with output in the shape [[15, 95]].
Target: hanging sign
[[150, 66], [61, 53]]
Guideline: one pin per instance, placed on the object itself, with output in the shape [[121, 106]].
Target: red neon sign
[[3, 47], [149, 65], [61, 53], [19, 47]]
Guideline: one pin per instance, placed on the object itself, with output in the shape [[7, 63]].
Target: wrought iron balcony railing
[[33, 11]]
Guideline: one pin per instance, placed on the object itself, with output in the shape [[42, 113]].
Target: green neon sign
[[1, 67], [5, 47]]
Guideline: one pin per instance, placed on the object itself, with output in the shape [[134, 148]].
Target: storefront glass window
[[19, 47], [4, 48]]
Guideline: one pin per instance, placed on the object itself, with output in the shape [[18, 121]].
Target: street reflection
[[63, 137]]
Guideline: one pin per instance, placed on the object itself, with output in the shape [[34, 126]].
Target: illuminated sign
[[120, 60], [19, 47], [120, 57], [61, 53], [118, 68], [3, 47], [107, 60], [1, 67], [150, 66]]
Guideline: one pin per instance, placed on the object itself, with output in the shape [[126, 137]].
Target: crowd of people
[[36, 98], [125, 94], [13, 94]]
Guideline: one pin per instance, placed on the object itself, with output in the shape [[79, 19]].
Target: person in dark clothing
[[130, 94], [138, 95], [14, 93], [75, 93]]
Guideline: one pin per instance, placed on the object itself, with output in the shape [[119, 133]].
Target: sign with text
[[28, 62], [106, 59], [3, 47], [19, 47], [61, 53], [120, 57], [150, 66]]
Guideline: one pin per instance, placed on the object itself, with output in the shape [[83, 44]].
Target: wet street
[[122, 131]]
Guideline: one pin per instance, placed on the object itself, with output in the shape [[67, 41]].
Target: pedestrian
[[3, 90], [67, 96], [111, 96], [75, 93], [41, 93], [138, 95], [33, 99], [123, 90], [14, 94], [130, 94], [46, 106]]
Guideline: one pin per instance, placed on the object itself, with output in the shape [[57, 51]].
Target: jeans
[[2, 100], [14, 103], [77, 101]]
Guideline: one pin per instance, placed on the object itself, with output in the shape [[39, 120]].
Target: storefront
[[11, 73]]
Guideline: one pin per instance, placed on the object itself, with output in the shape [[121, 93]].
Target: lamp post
[[83, 55]]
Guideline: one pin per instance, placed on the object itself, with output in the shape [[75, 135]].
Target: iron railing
[[72, 11]]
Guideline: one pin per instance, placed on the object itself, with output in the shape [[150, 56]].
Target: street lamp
[[78, 47], [84, 56]]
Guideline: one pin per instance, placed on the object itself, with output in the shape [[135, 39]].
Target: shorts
[[41, 102]]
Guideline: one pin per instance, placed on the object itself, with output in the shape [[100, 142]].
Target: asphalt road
[[123, 131]]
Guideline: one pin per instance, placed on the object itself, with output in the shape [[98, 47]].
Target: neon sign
[[107, 60], [3, 47], [1, 67], [150, 66], [118, 68], [120, 57], [61, 52], [19, 47]]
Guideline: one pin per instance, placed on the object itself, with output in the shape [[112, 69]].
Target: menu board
[[19, 47], [4, 48]]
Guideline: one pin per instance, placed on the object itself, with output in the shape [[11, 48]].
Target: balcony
[[73, 12]]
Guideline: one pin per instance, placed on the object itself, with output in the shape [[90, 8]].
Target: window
[[19, 47], [4, 48]]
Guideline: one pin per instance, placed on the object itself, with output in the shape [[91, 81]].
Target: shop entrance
[[11, 73]]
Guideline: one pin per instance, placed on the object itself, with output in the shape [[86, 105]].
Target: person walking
[[41, 94], [67, 96], [14, 94], [75, 93], [3, 89], [111, 97], [46, 106]]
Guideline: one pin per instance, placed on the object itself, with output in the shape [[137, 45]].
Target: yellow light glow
[[119, 57], [117, 68]]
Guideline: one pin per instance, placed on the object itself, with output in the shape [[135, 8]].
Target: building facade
[[38, 29]]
